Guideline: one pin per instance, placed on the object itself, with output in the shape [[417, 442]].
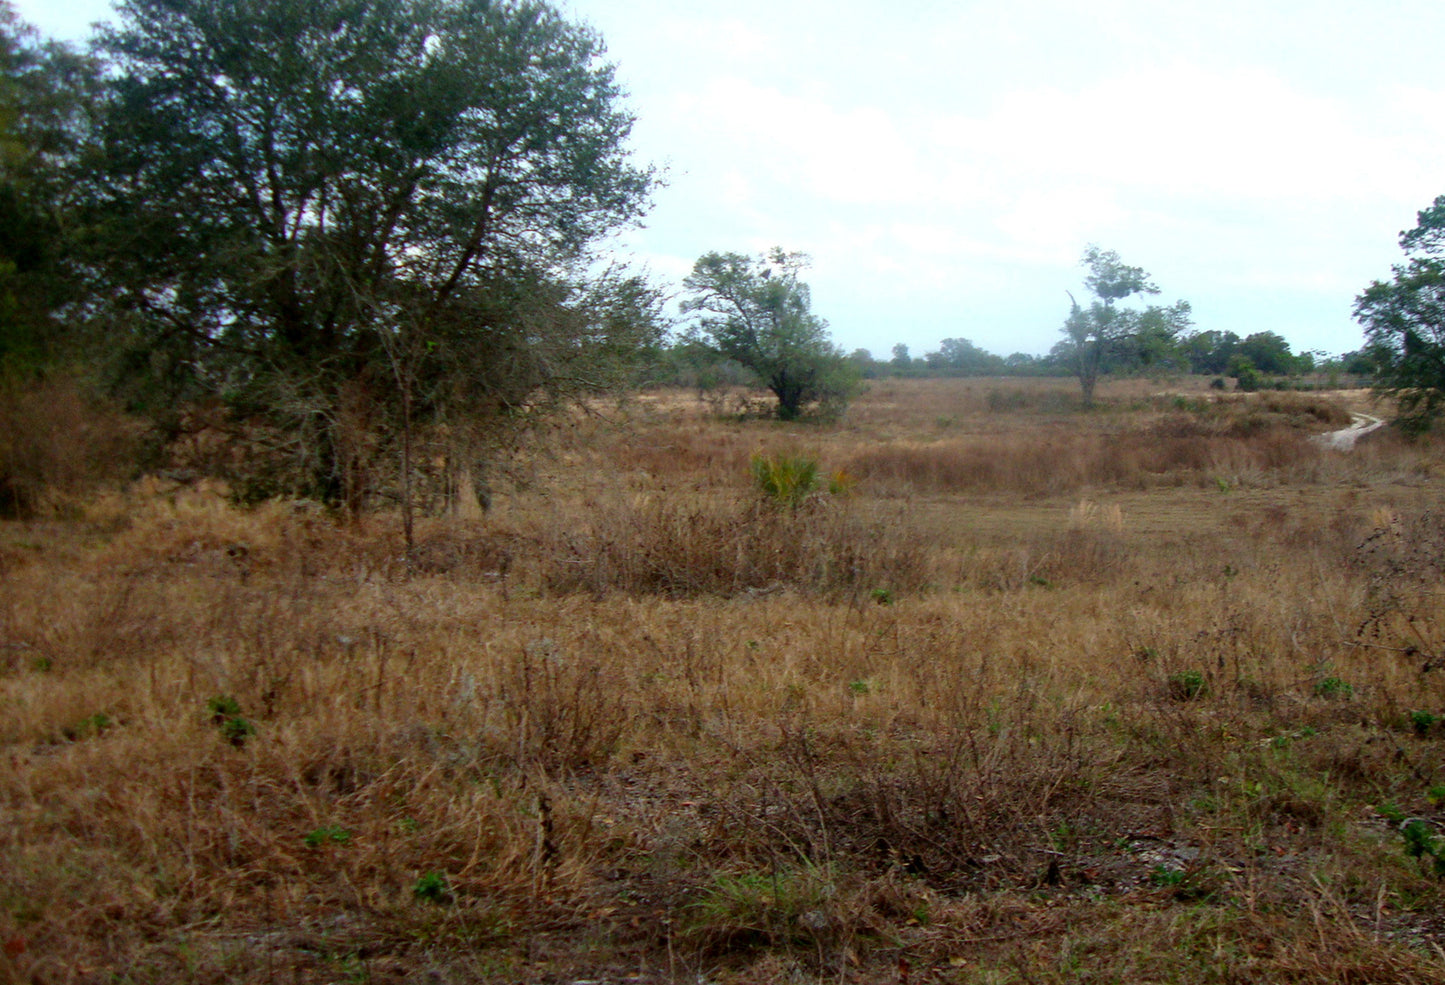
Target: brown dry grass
[[1047, 697]]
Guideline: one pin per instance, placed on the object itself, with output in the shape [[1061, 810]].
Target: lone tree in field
[[759, 313], [1095, 335], [341, 217], [1404, 322]]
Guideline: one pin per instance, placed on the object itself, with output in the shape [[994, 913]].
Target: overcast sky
[[946, 163]]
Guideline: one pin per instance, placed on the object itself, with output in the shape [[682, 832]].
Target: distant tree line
[[1260, 359], [1105, 338]]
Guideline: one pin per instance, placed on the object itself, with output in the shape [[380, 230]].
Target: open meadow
[[1021, 692]]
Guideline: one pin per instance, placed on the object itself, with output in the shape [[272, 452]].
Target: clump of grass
[[329, 834], [1168, 878], [758, 907], [1423, 842], [1422, 838], [841, 483], [785, 480], [1187, 685], [89, 727], [1034, 400], [226, 717], [433, 887], [563, 709]]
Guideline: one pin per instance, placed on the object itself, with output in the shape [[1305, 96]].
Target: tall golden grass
[[1048, 695]]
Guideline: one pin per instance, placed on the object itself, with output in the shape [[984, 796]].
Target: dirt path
[[1344, 439]]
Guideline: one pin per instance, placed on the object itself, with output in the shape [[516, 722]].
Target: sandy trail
[[1344, 439]]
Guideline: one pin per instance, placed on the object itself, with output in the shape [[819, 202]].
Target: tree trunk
[[790, 398], [468, 495], [406, 506]]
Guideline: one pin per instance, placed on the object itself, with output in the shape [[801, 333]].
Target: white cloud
[[1191, 132], [803, 143]]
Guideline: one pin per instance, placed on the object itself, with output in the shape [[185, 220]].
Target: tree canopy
[[1404, 321], [758, 312], [327, 202], [49, 96], [962, 358]]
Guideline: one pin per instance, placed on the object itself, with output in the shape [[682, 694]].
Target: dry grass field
[[1028, 693]]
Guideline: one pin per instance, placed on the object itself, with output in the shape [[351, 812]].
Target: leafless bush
[[559, 709], [1403, 559]]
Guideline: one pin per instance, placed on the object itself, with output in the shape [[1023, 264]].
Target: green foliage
[[1422, 842], [1269, 353], [763, 908], [1187, 685], [236, 731], [329, 834], [226, 716], [1208, 352], [89, 727], [960, 357], [49, 97], [1404, 321], [785, 480], [340, 218], [1334, 688], [223, 706], [1390, 812], [1246, 377], [432, 887], [1165, 877], [691, 363], [1421, 721], [758, 312]]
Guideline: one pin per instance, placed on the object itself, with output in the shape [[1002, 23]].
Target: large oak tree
[[336, 214]]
